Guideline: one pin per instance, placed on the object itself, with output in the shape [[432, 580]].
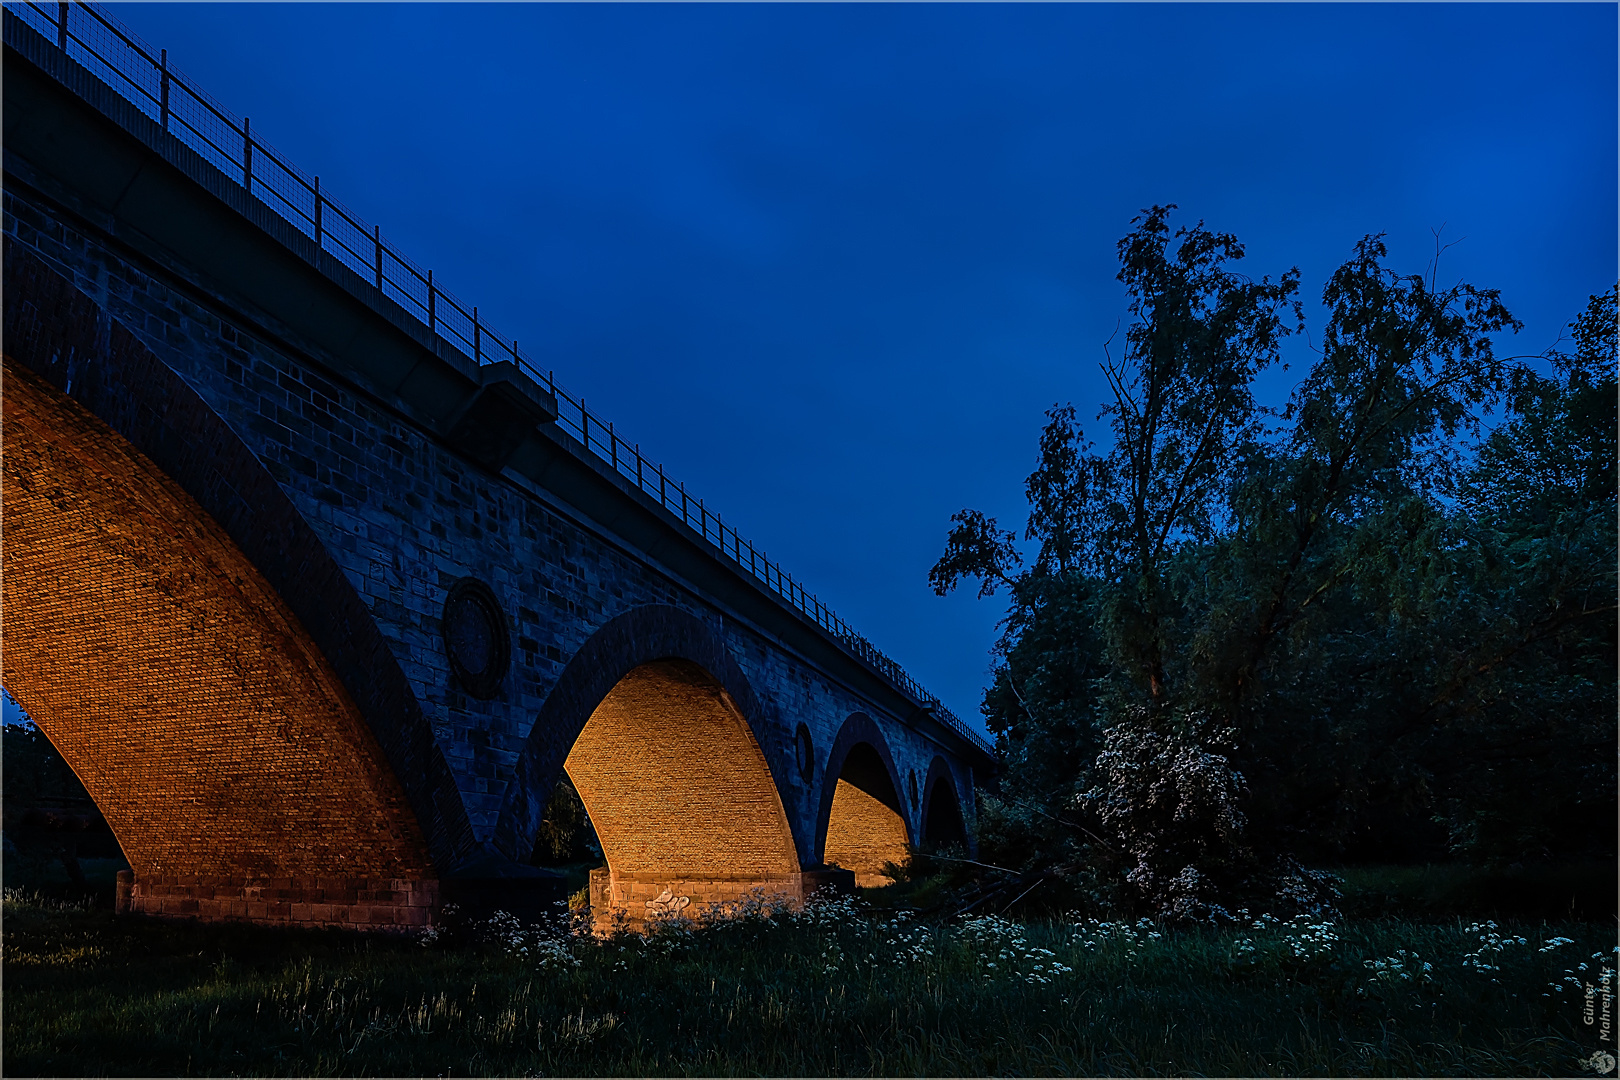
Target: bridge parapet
[[143, 77]]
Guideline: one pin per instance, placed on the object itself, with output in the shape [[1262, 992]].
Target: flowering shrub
[[548, 945], [1403, 967], [833, 919], [901, 942], [1169, 800], [551, 943], [827, 910], [757, 905], [1296, 940], [1093, 934], [1002, 950], [1491, 945]]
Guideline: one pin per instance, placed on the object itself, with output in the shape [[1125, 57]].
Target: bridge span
[[320, 585]]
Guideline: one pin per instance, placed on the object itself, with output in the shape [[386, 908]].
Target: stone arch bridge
[[320, 599]]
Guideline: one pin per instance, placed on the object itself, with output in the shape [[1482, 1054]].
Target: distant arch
[[862, 825], [656, 724], [942, 821]]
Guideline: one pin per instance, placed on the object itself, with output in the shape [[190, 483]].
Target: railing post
[[683, 504], [430, 301], [61, 25], [584, 424], [376, 233], [163, 94], [477, 355], [613, 446], [638, 467], [318, 242], [247, 155], [663, 500]]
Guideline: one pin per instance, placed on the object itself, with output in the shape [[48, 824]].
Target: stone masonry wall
[[406, 518]]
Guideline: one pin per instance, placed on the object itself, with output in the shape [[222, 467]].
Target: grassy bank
[[827, 992]]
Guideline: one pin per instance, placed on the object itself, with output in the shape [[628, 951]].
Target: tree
[[1108, 526], [1237, 645]]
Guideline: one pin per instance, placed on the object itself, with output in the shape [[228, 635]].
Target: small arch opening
[[942, 822], [566, 840], [57, 842]]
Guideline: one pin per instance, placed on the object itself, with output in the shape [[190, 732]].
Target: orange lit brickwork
[[236, 773], [863, 834], [678, 790]]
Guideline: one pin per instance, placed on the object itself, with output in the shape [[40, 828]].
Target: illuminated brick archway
[[231, 762], [655, 723], [863, 827], [679, 795]]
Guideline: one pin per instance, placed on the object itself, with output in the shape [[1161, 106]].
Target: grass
[[1570, 891], [831, 991]]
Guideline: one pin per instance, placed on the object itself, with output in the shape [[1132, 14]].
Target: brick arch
[[655, 722], [942, 821], [235, 769], [642, 635], [862, 823], [77, 349], [675, 782]]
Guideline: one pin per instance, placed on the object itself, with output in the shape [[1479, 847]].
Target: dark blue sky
[[830, 263]]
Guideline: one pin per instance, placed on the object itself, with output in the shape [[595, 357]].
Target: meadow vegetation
[[840, 988]]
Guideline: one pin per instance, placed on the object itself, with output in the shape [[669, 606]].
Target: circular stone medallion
[[475, 638]]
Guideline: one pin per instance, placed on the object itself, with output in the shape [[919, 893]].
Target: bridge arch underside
[[942, 824], [680, 796], [239, 777], [865, 829]]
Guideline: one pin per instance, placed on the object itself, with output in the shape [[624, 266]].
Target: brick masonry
[[375, 904], [213, 736], [362, 521], [863, 835], [674, 781]]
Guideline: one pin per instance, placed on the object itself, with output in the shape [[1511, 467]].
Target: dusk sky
[[830, 263]]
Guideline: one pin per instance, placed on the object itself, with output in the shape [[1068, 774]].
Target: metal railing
[[143, 76]]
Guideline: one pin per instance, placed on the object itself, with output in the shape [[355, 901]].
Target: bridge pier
[[348, 903], [630, 900]]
